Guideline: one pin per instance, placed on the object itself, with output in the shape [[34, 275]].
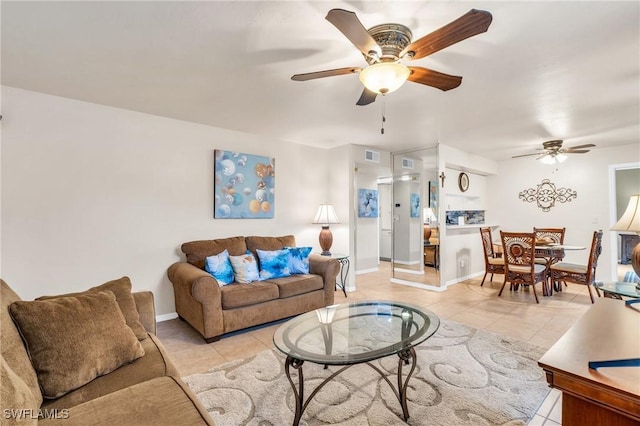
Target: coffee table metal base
[[406, 357]]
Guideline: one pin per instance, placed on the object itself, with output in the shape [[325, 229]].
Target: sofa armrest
[[328, 268], [198, 298], [146, 310]]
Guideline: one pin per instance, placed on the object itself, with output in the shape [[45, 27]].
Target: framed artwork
[[243, 186], [415, 205], [433, 194], [367, 202]]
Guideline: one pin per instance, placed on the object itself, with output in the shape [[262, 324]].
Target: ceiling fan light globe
[[384, 77], [548, 159], [560, 158]]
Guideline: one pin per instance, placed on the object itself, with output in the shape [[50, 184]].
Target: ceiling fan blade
[[587, 145], [367, 97], [349, 25], [472, 23], [528, 155], [326, 73], [434, 78], [574, 151]]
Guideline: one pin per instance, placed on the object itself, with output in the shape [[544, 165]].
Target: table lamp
[[630, 221], [325, 216]]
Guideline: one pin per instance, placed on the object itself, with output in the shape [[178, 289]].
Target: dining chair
[[492, 263], [520, 266], [549, 257], [578, 273]]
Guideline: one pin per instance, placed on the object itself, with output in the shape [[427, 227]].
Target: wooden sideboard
[[627, 243], [609, 396]]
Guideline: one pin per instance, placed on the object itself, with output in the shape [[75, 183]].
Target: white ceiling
[[543, 70]]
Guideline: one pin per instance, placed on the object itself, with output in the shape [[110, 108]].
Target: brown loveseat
[[214, 310], [145, 391]]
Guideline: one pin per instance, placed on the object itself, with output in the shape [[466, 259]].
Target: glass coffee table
[[354, 333], [617, 290]]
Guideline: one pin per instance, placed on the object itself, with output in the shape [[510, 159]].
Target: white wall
[[461, 254], [587, 174], [367, 228], [91, 193]]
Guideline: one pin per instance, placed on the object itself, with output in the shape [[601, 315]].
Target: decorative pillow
[[273, 264], [245, 268], [299, 259], [121, 288], [72, 340], [220, 267]]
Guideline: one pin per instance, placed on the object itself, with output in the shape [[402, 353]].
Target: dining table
[[552, 253]]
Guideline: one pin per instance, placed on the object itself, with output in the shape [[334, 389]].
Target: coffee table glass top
[[355, 332], [619, 288]]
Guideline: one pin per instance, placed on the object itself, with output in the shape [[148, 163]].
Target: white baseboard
[[466, 277], [166, 317], [414, 284], [366, 271]]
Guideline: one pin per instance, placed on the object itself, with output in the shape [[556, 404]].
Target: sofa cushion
[[160, 401], [239, 295], [16, 395], [72, 340], [245, 268], [12, 348], [219, 266], [121, 288], [297, 284], [299, 259], [269, 243], [273, 263], [198, 251], [154, 363]]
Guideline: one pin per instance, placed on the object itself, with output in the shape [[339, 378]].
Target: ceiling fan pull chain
[[383, 117]]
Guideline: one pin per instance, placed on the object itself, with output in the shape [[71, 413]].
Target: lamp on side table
[[630, 222], [325, 216]]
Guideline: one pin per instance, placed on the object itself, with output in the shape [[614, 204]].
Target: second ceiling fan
[[386, 46]]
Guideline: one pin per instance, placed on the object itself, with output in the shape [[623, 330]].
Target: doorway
[[624, 181]]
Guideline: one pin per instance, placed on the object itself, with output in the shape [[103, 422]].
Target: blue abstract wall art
[[244, 186]]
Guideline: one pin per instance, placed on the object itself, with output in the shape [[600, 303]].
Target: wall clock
[[463, 182]]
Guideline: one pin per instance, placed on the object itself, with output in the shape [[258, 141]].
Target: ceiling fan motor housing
[[552, 145], [392, 39]]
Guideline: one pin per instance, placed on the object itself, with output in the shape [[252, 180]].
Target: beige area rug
[[464, 376]]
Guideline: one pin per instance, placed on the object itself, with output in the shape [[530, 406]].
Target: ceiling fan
[[554, 152], [386, 46]]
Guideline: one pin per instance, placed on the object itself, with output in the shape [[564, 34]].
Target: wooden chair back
[[487, 244], [594, 254], [518, 249], [555, 234], [519, 262]]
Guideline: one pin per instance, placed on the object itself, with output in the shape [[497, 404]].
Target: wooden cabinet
[[609, 395]]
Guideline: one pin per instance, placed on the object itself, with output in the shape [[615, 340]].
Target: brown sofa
[[215, 310], [145, 391]]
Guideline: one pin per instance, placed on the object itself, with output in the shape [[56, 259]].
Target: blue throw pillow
[[273, 264], [299, 259], [220, 267], [245, 268]]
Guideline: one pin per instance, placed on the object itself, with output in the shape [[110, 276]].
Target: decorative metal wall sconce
[[546, 194]]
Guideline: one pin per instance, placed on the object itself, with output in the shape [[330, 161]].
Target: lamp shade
[[384, 77], [630, 220], [326, 215]]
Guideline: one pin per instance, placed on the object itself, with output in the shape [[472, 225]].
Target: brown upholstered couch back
[[198, 251]]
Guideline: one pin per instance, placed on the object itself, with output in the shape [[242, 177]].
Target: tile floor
[[514, 314]]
